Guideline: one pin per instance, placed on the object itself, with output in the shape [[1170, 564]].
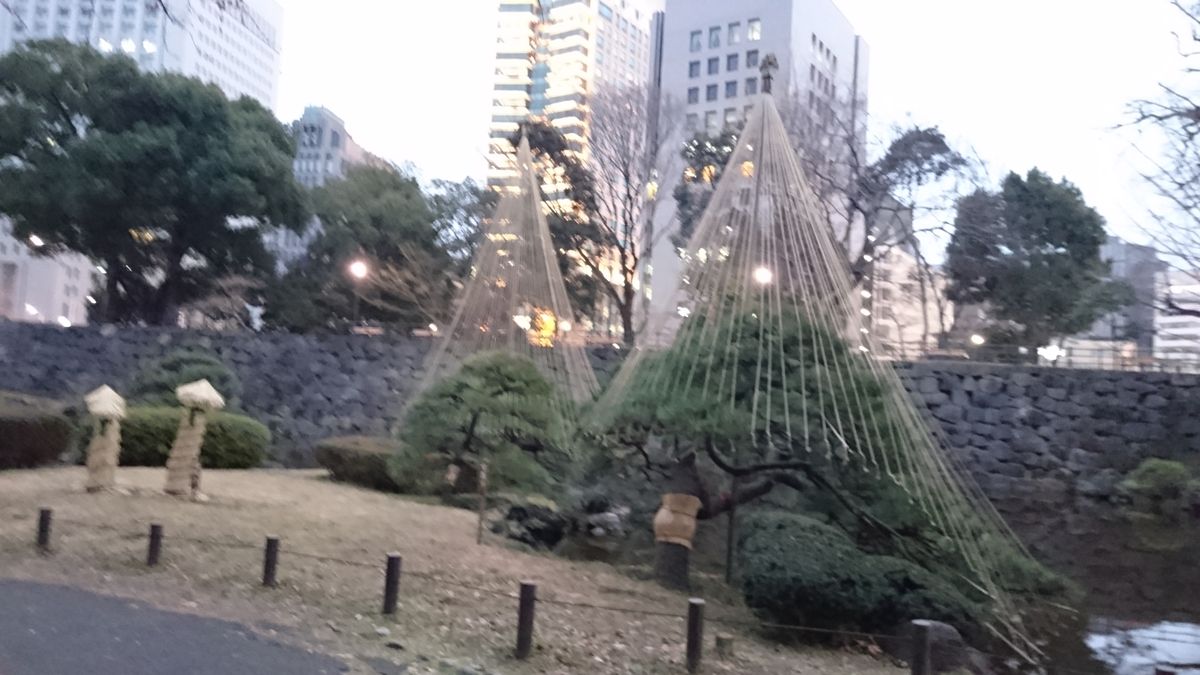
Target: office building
[[236, 49], [1176, 335], [711, 55], [325, 151], [40, 289], [550, 54]]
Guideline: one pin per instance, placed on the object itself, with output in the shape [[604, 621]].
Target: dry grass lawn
[[461, 607]]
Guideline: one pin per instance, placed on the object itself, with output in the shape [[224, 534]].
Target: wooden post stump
[[724, 646]]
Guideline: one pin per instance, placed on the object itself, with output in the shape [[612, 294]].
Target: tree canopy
[[159, 177], [415, 246], [1032, 252]]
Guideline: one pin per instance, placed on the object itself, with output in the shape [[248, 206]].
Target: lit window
[[694, 69], [731, 62], [754, 30], [696, 43], [735, 33], [694, 95], [752, 58], [731, 117], [751, 86], [714, 66], [710, 92], [714, 37]]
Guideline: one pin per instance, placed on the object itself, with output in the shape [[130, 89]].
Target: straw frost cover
[[199, 394], [105, 403]]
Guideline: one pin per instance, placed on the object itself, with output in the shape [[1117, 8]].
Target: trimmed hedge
[[799, 571], [33, 431], [360, 460], [155, 384], [230, 441]]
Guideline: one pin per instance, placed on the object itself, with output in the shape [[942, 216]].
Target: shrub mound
[[360, 460], [428, 473], [230, 442], [33, 432], [799, 571], [155, 384]]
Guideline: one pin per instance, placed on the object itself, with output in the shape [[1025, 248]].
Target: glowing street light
[[978, 340], [36, 241], [763, 276], [64, 322], [31, 310], [358, 271]]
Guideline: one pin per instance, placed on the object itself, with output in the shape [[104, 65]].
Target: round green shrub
[[360, 460], [1159, 480], [231, 441], [800, 571], [155, 384]]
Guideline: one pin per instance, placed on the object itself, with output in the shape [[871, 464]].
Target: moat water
[[1142, 580]]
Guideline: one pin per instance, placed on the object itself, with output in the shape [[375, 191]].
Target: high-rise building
[[712, 53], [550, 54], [324, 152], [236, 48], [1177, 335]]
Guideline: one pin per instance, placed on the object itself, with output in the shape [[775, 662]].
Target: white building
[[40, 289], [550, 54], [234, 49], [1177, 336], [712, 51]]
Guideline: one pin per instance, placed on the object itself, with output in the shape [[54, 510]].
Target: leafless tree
[[227, 306], [1171, 122]]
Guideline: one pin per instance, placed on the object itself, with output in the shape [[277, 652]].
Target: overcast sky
[[1022, 82]]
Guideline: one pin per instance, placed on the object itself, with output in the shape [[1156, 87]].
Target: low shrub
[[230, 441], [800, 571], [33, 432], [360, 460], [154, 385], [1158, 485], [427, 473]]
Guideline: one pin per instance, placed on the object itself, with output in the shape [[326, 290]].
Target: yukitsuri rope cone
[[515, 301], [183, 464], [104, 450], [765, 333]]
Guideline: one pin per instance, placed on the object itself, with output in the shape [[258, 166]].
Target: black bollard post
[[154, 552], [525, 612], [391, 584], [920, 661], [45, 516], [270, 562], [695, 634]]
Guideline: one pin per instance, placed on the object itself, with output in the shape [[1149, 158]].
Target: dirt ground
[[457, 599]]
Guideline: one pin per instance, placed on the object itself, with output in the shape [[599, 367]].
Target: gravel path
[[63, 630]]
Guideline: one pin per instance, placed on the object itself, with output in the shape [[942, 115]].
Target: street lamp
[[978, 340], [358, 271]]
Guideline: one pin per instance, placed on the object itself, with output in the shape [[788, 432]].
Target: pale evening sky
[[1022, 82]]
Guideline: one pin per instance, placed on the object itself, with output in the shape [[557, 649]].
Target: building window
[[752, 58], [754, 30], [731, 89], [693, 123], [735, 33], [710, 122], [696, 41], [694, 95], [714, 37], [714, 66], [731, 62], [751, 86], [731, 118], [710, 93], [606, 11], [694, 69]]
